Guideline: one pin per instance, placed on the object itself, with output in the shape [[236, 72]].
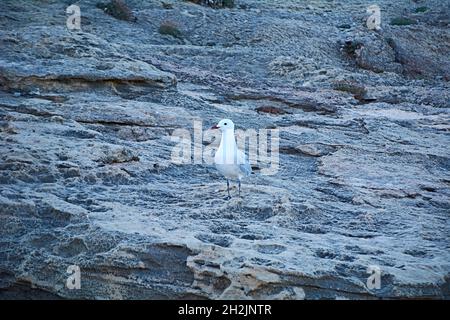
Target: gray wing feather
[[245, 167]]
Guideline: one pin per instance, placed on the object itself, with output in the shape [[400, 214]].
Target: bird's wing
[[244, 164]]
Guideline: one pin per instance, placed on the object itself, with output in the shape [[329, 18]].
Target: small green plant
[[171, 29], [228, 3], [118, 9], [421, 9], [402, 21]]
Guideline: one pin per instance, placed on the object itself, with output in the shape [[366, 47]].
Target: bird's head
[[224, 124]]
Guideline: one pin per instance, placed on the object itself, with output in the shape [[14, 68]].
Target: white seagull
[[229, 160]]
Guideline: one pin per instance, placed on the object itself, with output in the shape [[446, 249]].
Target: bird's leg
[[239, 187], [228, 189]]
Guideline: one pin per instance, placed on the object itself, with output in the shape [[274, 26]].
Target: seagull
[[229, 160]]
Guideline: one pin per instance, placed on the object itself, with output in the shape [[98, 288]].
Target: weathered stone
[[87, 179]]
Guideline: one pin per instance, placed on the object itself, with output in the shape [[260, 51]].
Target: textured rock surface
[[86, 176]]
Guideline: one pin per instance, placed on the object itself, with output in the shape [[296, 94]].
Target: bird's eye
[[225, 124]]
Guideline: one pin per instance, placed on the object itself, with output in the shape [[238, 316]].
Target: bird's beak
[[215, 127]]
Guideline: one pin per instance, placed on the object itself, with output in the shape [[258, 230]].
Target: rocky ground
[[87, 178]]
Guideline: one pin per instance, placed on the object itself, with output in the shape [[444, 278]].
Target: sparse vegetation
[[402, 21], [421, 9], [350, 47], [228, 3], [358, 91], [171, 29], [166, 5], [215, 3], [117, 9]]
